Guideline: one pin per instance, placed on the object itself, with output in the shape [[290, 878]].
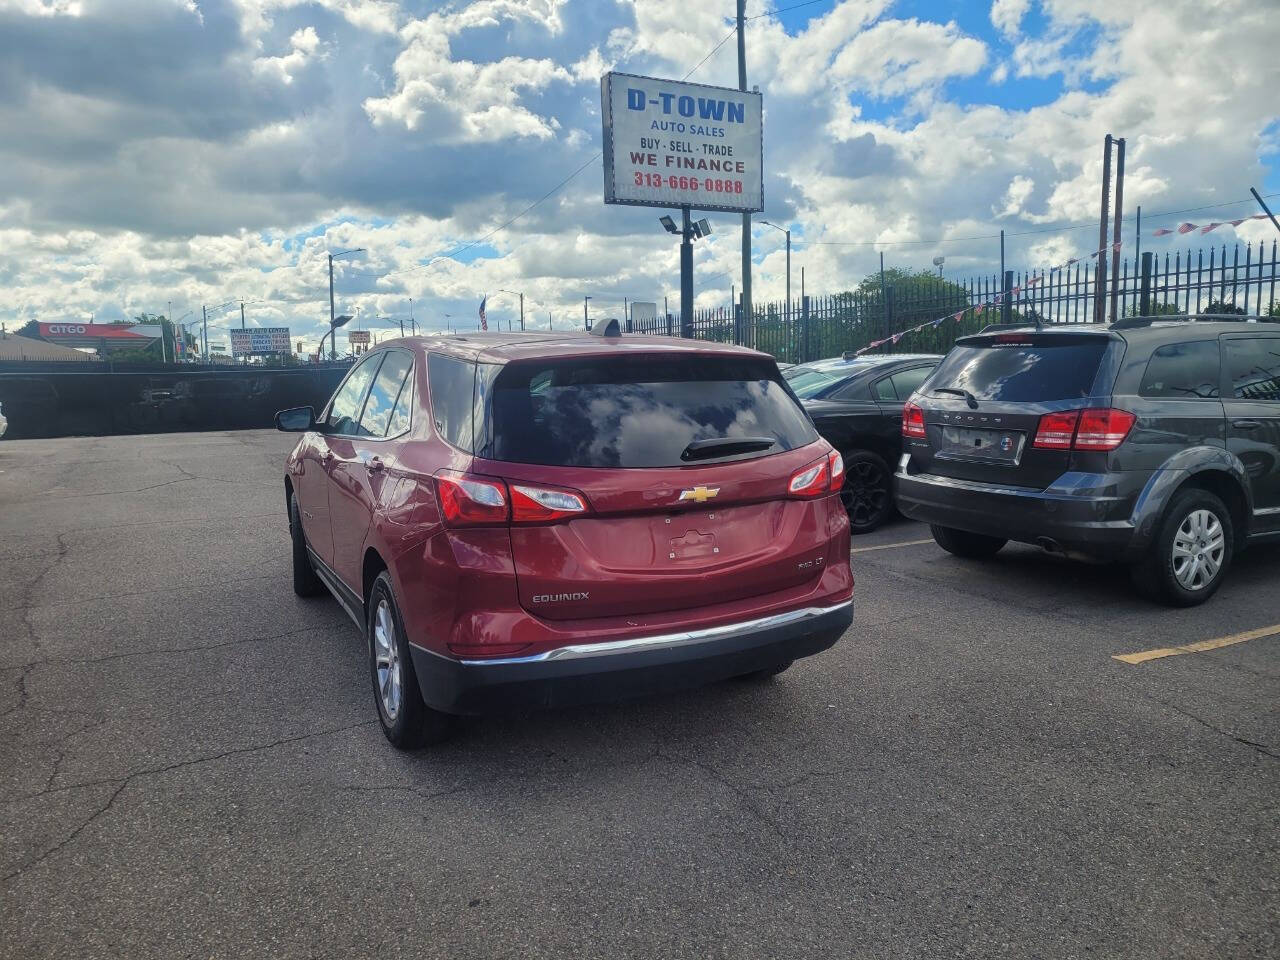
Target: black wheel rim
[[865, 493]]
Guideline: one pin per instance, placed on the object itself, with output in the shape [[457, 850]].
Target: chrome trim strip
[[333, 583], [580, 651], [1266, 511]]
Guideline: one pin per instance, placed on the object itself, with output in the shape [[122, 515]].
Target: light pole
[[333, 328], [413, 324], [586, 320], [521, 296], [788, 233]]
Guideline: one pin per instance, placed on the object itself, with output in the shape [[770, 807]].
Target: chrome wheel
[[386, 659], [1199, 547]]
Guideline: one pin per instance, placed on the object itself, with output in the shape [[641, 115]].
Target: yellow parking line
[[1144, 655], [890, 546]]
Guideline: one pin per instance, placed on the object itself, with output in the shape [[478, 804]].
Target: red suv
[[522, 520]]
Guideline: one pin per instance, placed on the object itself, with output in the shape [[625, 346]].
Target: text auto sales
[[716, 157]]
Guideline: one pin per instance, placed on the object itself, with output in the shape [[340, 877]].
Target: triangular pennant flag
[[1186, 227], [1015, 291], [1210, 227]]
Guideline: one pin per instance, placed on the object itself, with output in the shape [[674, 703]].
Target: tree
[[1222, 307], [29, 329], [1155, 310], [168, 332]]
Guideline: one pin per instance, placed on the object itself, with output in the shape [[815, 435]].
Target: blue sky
[[250, 137]]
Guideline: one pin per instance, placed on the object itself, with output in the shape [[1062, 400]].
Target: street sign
[[358, 337], [255, 341], [672, 144]]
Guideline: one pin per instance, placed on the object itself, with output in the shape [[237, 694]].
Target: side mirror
[[296, 420]]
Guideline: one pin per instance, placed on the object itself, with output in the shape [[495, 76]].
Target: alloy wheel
[[386, 655], [864, 494], [1199, 548]]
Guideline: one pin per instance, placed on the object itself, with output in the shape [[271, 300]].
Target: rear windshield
[[1022, 372], [639, 411]]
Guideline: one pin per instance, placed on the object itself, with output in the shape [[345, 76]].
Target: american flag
[[484, 322]]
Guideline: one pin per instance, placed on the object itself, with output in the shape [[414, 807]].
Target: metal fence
[[1239, 280]]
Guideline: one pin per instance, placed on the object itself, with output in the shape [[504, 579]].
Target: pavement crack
[[121, 783], [1264, 749], [742, 794]]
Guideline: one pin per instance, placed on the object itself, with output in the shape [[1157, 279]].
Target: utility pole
[[522, 313], [1100, 276], [746, 217], [204, 312], [586, 320], [1115, 235], [686, 271], [333, 331], [241, 314], [413, 324]]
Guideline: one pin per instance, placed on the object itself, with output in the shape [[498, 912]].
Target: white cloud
[[1007, 15], [460, 100], [233, 153], [304, 43], [896, 57]]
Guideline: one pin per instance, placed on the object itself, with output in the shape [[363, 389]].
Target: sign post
[[668, 143]]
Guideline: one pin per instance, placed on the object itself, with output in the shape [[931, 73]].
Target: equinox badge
[[699, 494]]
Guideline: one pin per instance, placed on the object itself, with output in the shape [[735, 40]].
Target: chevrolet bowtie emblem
[[699, 494]]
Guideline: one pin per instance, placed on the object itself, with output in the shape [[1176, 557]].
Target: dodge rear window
[[1030, 372], [641, 411]]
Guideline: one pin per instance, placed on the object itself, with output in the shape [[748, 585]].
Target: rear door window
[[383, 394], [1253, 367], [640, 411], [907, 382], [1183, 371], [1026, 370], [452, 383]]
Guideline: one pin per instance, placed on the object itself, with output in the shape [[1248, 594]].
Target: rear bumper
[[640, 666], [1087, 514]]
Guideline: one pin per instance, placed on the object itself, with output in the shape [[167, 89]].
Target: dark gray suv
[[1154, 442]]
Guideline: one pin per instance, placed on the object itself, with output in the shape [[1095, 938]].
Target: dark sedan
[[856, 404]]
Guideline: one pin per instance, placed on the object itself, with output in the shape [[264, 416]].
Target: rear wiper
[[969, 398], [725, 447]]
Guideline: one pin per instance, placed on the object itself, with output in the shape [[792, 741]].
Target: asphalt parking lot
[[190, 764]]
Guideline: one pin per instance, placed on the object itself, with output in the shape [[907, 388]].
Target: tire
[[1191, 553], [768, 673], [962, 543], [867, 493], [305, 581], [406, 721]]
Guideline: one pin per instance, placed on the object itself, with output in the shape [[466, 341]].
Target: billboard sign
[[92, 334], [256, 341], [673, 144], [358, 338]]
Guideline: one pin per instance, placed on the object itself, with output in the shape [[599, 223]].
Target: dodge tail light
[[913, 422], [1056, 430], [1103, 429]]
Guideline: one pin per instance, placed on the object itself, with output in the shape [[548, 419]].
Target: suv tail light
[[1103, 429], [835, 466], [544, 504], [813, 480], [1056, 430], [1097, 429], [466, 500], [913, 421]]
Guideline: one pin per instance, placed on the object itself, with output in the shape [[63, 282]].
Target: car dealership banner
[[672, 144], [260, 340]]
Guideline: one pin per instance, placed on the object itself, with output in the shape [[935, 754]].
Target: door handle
[[1246, 424]]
